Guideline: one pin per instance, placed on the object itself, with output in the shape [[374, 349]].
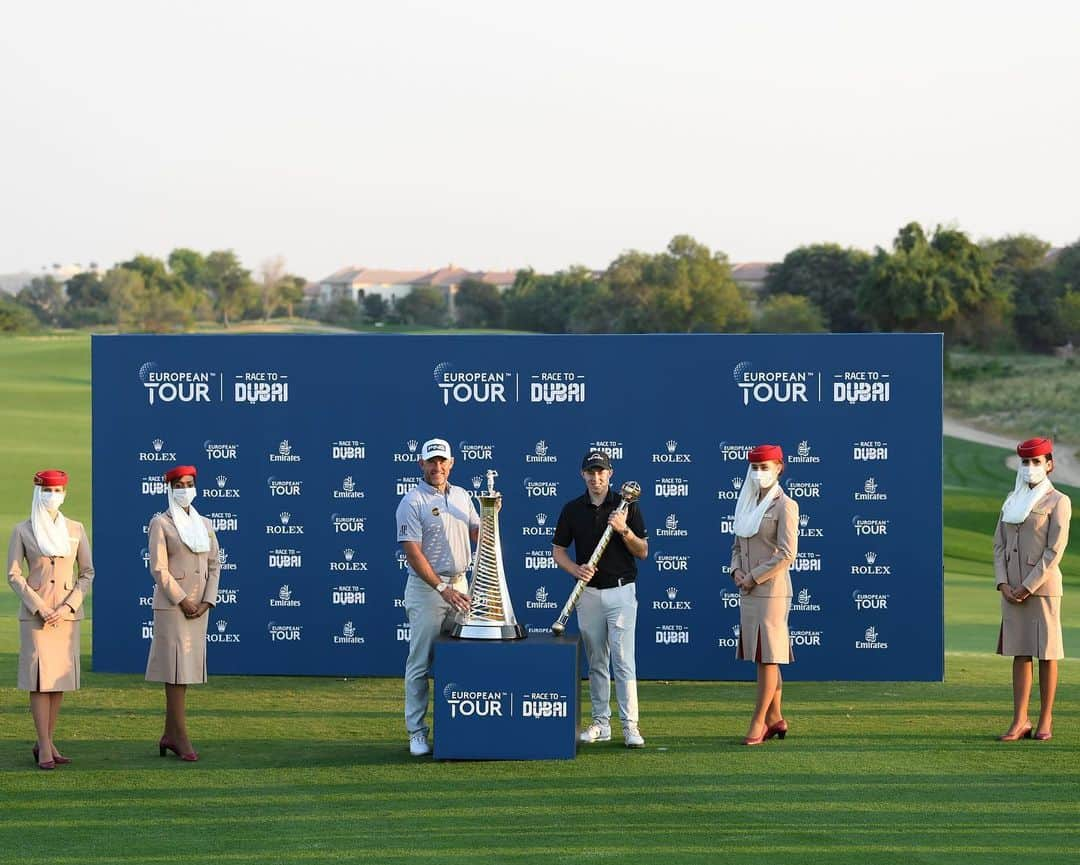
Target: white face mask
[[764, 477], [52, 501], [183, 496], [1033, 474]]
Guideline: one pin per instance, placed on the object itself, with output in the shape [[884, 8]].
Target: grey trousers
[[606, 619], [429, 616]]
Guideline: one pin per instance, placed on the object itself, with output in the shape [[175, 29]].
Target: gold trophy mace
[[630, 493], [491, 615]]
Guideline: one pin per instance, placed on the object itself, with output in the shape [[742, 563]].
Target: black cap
[[595, 460]]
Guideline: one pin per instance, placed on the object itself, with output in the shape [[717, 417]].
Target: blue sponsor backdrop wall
[[305, 444]]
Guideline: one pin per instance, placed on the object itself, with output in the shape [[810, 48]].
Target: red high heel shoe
[[1022, 733], [757, 740], [166, 744], [47, 765], [1043, 737], [779, 729]]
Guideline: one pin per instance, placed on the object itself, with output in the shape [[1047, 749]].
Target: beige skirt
[[178, 650], [1032, 629], [48, 656], [763, 630]]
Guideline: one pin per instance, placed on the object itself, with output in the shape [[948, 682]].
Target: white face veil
[[748, 510], [189, 525], [1022, 499], [51, 535]]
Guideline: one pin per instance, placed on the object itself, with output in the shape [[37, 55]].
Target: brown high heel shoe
[[779, 729], [166, 744], [1022, 733], [757, 740], [47, 765]]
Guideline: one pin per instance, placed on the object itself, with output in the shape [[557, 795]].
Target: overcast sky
[[501, 134]]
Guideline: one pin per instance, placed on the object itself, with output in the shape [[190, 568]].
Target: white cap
[[435, 448]]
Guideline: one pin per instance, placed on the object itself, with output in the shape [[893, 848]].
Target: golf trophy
[[491, 615]]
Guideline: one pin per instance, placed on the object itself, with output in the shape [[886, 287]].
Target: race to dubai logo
[[403, 632], [260, 387], [409, 455], [472, 386], [872, 568], [147, 629], [223, 521], [348, 489], [614, 449], [870, 492], [731, 495], [153, 485], [802, 603], [405, 485], [871, 640], [348, 596], [666, 488], [539, 560], [285, 558], [348, 449], [284, 598], [220, 450], [551, 388], [803, 454], [541, 600], [671, 528], [769, 386], [348, 636], [867, 451], [536, 704], [540, 454], [864, 526], [283, 488], [861, 386], [671, 454], [220, 489], [669, 635], [165, 386], [870, 600], [156, 454], [284, 453], [805, 561], [672, 604], [471, 451]]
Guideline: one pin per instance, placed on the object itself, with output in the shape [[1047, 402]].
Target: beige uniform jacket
[[178, 572], [1029, 554], [51, 582], [767, 555]]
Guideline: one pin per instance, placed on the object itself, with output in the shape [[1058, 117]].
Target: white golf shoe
[[418, 744], [597, 731]]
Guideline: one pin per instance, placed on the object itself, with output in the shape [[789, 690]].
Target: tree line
[[997, 293]]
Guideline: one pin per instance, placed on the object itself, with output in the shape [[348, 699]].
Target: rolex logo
[[804, 520], [411, 445], [476, 481], [348, 554], [871, 634], [871, 558], [672, 522], [671, 445], [285, 517], [541, 448], [804, 448], [541, 519], [870, 486], [804, 596], [735, 629], [221, 481], [284, 593], [542, 594], [348, 484], [158, 445], [222, 624], [284, 448], [672, 592]]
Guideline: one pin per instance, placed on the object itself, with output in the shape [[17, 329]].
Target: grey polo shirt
[[440, 523]]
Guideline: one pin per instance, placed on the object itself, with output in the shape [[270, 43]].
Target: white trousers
[[607, 619], [429, 615]]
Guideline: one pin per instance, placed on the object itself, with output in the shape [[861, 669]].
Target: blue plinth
[[507, 699]]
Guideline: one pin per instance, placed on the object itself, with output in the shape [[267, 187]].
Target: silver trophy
[[491, 615]]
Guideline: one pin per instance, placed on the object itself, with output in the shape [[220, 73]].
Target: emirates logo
[[541, 448], [284, 593], [284, 448]]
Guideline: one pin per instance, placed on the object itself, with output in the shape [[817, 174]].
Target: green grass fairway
[[317, 770]]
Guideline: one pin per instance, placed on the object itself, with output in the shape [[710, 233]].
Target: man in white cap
[[437, 523]]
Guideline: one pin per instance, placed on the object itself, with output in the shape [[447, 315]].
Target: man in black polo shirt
[[607, 611]]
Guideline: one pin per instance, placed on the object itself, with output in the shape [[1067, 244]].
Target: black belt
[[619, 583]]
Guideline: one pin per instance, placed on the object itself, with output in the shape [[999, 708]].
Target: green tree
[[1022, 277], [146, 307], [829, 276], [86, 290], [375, 307], [229, 284], [271, 275], [44, 297], [478, 304], [16, 318], [189, 266], [789, 313], [424, 305], [342, 311], [291, 293], [548, 303], [1069, 315]]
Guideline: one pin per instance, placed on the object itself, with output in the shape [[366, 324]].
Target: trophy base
[[469, 631]]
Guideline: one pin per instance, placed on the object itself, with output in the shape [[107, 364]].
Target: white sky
[[402, 133]]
